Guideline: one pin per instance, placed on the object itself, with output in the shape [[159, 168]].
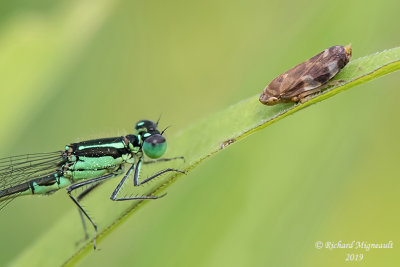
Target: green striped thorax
[[153, 143]]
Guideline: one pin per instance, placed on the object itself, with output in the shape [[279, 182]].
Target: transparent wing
[[20, 169]]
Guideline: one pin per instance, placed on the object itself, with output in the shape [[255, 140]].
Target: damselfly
[[87, 163]]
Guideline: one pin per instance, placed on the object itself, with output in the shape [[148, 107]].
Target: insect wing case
[[306, 76]]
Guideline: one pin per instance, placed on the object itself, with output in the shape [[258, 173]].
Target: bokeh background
[[76, 70]]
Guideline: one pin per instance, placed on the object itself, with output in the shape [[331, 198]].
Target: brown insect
[[307, 78]]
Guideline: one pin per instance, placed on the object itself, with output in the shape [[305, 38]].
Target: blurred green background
[[76, 70]]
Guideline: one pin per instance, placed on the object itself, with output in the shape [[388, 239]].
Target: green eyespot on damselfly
[[87, 163]]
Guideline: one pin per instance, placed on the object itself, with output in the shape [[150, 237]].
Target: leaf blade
[[213, 134]]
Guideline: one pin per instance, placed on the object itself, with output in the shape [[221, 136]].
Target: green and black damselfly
[[87, 163]]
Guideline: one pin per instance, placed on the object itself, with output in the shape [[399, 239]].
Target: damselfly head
[[155, 146], [146, 126]]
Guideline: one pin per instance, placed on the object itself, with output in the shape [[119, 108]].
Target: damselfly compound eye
[[155, 146]]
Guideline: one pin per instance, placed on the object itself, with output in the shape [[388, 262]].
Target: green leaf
[[196, 143]]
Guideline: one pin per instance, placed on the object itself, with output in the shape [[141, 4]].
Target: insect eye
[[155, 146], [272, 100]]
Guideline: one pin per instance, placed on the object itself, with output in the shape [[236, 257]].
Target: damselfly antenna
[[165, 129], [159, 118]]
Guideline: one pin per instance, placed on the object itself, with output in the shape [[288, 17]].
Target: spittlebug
[[307, 78]]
